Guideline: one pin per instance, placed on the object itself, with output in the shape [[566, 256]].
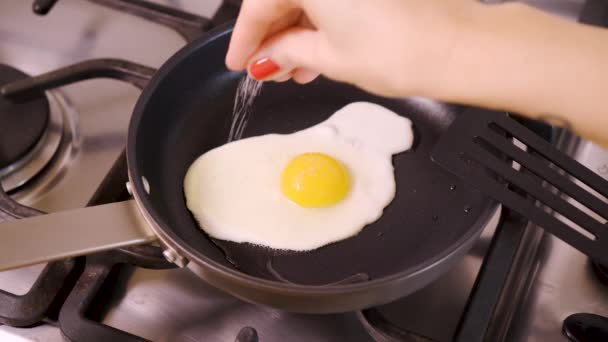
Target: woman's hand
[[389, 47], [507, 56]]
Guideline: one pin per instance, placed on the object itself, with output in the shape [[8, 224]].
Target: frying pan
[[184, 111]]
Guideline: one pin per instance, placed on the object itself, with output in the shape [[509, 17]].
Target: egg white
[[234, 190]]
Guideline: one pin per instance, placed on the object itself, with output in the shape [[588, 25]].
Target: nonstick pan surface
[[186, 110]]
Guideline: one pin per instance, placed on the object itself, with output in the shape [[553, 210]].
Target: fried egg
[[304, 190]]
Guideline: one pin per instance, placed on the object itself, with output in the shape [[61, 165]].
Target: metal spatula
[[503, 159]]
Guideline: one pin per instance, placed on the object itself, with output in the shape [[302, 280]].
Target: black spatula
[[508, 162]]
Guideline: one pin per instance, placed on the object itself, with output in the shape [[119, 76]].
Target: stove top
[[518, 294]]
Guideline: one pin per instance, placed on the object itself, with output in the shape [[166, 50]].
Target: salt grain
[[246, 92]]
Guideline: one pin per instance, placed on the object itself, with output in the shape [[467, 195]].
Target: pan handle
[[71, 233]]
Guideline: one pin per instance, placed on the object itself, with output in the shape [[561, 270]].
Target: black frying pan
[[186, 110]]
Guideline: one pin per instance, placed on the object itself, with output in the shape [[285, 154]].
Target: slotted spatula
[[505, 160]]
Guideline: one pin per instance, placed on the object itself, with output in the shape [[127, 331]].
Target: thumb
[[278, 57]]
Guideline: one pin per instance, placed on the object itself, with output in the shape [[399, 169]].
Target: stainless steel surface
[[174, 305], [564, 282], [72, 233], [515, 284]]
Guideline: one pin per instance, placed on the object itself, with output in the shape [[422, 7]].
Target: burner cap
[[22, 124]]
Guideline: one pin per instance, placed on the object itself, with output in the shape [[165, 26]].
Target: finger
[[284, 78], [293, 17], [287, 51], [253, 25], [304, 21], [304, 76]]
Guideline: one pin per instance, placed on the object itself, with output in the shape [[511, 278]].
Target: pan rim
[[173, 240]]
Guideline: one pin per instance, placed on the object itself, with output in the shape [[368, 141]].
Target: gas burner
[[23, 123], [30, 134]]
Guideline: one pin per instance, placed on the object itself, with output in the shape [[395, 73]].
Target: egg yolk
[[314, 180]]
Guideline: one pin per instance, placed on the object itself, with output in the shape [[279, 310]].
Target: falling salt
[[246, 92]]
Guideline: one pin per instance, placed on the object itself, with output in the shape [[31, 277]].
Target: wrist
[[453, 44], [512, 57]]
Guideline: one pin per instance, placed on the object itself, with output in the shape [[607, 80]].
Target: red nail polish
[[262, 68]]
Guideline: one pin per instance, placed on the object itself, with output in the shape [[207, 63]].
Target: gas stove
[[516, 284]]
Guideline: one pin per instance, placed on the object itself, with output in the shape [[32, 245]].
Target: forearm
[[516, 58]]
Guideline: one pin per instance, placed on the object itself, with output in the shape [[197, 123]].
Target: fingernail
[[262, 68]]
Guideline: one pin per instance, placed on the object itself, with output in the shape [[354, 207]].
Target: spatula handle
[[506, 161]]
